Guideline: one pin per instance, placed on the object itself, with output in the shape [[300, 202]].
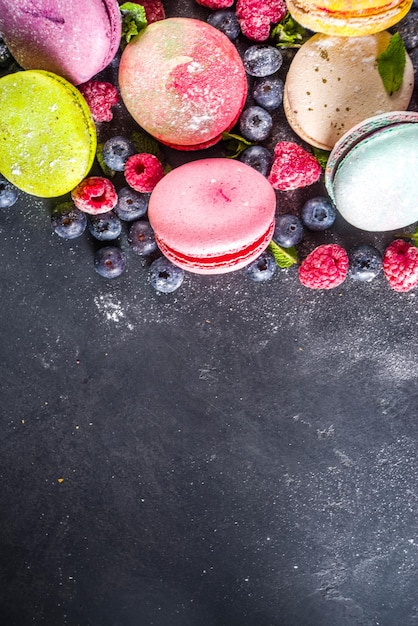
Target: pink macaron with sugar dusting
[[75, 40], [213, 216]]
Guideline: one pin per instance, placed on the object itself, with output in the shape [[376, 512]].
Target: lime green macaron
[[47, 135]]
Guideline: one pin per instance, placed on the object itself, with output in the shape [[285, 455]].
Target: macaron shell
[[183, 81], [333, 84], [47, 133], [346, 19], [74, 39], [213, 215]]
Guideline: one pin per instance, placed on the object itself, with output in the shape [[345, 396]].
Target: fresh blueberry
[[67, 221], [141, 238], [105, 226], [226, 21], [8, 194], [255, 123], [288, 230], [131, 204], [164, 276], [262, 60], [268, 92], [109, 262], [5, 56], [116, 151], [262, 268], [318, 213], [365, 262], [259, 158]]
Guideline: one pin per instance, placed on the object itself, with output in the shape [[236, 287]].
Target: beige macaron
[[333, 83]]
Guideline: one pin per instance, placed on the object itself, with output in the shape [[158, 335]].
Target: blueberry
[[131, 204], [5, 56], [164, 276], [226, 21], [288, 230], [67, 221], [262, 60], [105, 226], [8, 194], [365, 262], [116, 151], [259, 158], [262, 268], [268, 92], [318, 213], [109, 262], [141, 238], [255, 123]]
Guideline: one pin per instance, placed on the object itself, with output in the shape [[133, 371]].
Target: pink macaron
[[213, 216], [75, 40], [184, 82]]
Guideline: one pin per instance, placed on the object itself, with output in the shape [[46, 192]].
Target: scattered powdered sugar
[[110, 307]]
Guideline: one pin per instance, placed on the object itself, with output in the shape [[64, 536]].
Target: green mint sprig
[[391, 64], [413, 236], [133, 21], [284, 257], [321, 156], [235, 144], [288, 33]]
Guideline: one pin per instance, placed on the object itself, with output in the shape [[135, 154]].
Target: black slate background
[[234, 454]]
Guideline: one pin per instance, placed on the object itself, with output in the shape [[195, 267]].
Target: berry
[[109, 262], [258, 157], [5, 56], [131, 204], [256, 16], [116, 151], [293, 167], [261, 60], [262, 268], [141, 238], [143, 172], [67, 221], [95, 195], [255, 123], [164, 276], [100, 97], [400, 265], [365, 262], [227, 22], [325, 267], [8, 193], [268, 92], [154, 10], [105, 227], [216, 4], [288, 230], [318, 213]]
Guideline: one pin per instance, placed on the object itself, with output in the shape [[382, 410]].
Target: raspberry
[[95, 195], [216, 4], [100, 97], [400, 265], [293, 167], [325, 267], [256, 16], [154, 10], [143, 171]]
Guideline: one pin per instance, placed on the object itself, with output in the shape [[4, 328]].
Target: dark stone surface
[[234, 454]]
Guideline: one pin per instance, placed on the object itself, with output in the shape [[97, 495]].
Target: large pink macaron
[[184, 82], [213, 216], [75, 40]]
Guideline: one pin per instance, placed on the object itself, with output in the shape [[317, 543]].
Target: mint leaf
[[391, 64], [288, 33], [235, 144], [321, 156], [285, 257], [413, 236], [133, 20]]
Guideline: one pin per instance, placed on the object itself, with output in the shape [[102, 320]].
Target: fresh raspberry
[[143, 171], [95, 195], [325, 267], [154, 10], [293, 167], [400, 265], [216, 4], [256, 17], [100, 97]]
